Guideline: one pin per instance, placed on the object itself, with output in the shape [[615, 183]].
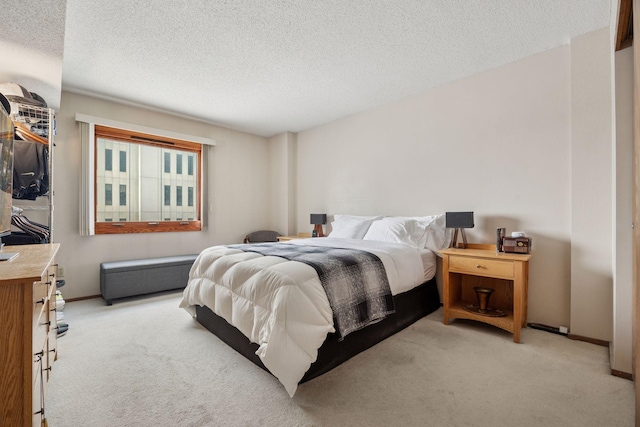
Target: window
[[108, 195], [167, 196], [123, 161], [145, 183], [108, 159], [123, 195], [167, 162], [190, 165]]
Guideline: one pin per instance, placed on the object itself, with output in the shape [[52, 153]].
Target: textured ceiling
[[31, 46], [266, 67]]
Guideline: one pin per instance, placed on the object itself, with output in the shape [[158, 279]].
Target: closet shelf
[[32, 120], [33, 208]]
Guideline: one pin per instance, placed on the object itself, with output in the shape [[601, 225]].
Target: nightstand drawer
[[481, 267]]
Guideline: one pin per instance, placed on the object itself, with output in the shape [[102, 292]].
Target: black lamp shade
[[459, 219], [318, 218]]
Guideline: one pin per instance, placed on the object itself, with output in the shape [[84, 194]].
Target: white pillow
[[423, 220], [351, 226], [438, 235], [423, 223], [342, 217], [397, 230]]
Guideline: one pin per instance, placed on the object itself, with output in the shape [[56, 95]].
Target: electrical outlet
[[563, 330], [60, 271]]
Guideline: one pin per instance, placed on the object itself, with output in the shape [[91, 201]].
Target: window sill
[[146, 227]]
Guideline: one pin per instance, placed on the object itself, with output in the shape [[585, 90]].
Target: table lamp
[[459, 221], [317, 220]]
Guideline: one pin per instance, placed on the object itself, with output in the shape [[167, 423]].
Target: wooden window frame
[[117, 227]]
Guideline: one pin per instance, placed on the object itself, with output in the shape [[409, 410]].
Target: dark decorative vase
[[483, 295]]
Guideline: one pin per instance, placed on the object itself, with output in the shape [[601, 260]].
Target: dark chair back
[[262, 236]]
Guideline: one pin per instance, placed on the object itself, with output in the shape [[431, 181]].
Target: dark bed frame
[[410, 306]]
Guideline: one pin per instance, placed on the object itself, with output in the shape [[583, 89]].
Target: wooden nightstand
[[299, 236], [480, 265]]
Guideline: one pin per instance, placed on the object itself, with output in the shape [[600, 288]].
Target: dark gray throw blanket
[[355, 281]]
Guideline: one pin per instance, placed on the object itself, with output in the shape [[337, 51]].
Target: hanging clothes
[[30, 170], [31, 228]]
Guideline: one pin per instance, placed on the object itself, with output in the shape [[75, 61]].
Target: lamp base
[[454, 241], [318, 230]]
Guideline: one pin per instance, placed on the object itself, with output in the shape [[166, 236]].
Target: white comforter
[[280, 304]]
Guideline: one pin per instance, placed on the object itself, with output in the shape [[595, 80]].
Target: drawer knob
[[478, 266], [41, 301]]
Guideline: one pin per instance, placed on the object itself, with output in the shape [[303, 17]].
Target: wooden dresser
[[28, 332]]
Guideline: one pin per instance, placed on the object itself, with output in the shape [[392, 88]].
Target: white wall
[[623, 281], [592, 182], [497, 143], [282, 150], [238, 193], [526, 146]]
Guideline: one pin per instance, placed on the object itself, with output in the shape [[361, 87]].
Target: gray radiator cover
[[120, 279]]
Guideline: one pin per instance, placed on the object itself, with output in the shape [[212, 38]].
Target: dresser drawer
[[40, 329], [40, 293], [481, 267], [40, 315], [39, 348], [37, 401], [39, 306]]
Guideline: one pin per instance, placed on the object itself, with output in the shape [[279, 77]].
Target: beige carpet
[[145, 362]]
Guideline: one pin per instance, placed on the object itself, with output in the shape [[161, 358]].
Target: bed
[[274, 308]]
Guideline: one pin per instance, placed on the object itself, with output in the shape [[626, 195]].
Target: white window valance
[[84, 118]]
